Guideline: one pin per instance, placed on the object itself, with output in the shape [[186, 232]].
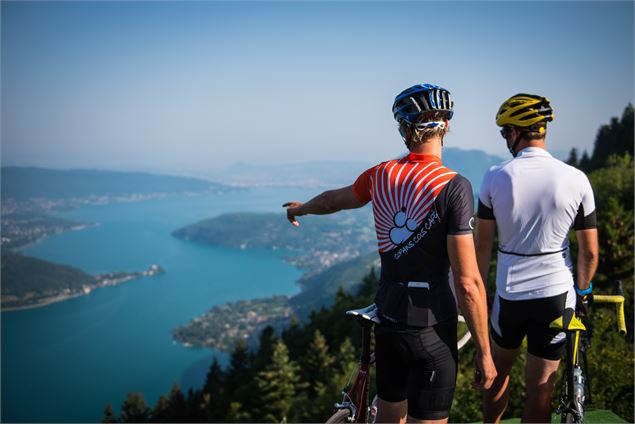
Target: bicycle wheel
[[340, 416], [463, 333], [568, 417]]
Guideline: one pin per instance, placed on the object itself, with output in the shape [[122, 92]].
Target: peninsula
[[30, 282]]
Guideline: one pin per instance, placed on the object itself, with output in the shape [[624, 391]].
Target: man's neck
[[531, 143], [430, 147]]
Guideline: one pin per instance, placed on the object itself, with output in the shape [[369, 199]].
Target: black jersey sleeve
[[585, 218], [584, 222], [460, 207], [484, 212]]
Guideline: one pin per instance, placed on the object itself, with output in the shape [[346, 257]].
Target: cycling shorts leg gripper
[[542, 341], [418, 364]]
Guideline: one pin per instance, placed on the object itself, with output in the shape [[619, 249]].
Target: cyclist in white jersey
[[533, 200]]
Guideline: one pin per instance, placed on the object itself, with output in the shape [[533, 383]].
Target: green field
[[591, 416]]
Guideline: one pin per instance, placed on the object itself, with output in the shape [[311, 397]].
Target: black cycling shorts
[[512, 320], [418, 364]]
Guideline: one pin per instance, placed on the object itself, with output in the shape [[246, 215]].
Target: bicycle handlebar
[[618, 298]]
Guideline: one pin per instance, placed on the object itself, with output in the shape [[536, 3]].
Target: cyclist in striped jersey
[[423, 213]]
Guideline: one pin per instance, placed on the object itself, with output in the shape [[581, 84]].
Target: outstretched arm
[[470, 293], [330, 201]]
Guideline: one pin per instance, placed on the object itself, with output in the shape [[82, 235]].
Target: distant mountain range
[[470, 163], [23, 183]]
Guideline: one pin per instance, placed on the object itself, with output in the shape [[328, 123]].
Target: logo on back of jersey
[[404, 227], [403, 193]]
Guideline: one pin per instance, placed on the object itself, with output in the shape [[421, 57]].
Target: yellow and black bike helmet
[[525, 111]]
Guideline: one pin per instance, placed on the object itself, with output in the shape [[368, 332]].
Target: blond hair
[[535, 132], [413, 136]]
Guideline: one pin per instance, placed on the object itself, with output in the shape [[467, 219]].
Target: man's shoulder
[[575, 172], [497, 169], [459, 182], [386, 163], [564, 170]]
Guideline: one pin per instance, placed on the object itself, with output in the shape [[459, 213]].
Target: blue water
[[64, 362]]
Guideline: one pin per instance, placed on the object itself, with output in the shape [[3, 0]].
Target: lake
[[64, 362]]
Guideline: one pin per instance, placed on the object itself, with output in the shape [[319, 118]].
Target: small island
[[223, 325], [31, 282]]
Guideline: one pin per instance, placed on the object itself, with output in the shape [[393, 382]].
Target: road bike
[[576, 377], [354, 407]]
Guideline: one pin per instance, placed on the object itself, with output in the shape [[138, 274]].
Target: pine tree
[[240, 385], [109, 415], [614, 138], [236, 414], [573, 158], [238, 364], [213, 379], [193, 405], [585, 162], [277, 385], [346, 361], [161, 411], [318, 363], [318, 373], [268, 340], [135, 409], [295, 338], [212, 404], [178, 405]]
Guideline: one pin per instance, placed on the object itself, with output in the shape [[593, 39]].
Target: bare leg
[[395, 412], [391, 412], [414, 420], [540, 378], [495, 399]]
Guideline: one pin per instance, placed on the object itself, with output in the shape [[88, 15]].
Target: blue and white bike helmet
[[423, 105]]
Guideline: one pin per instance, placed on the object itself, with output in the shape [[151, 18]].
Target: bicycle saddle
[[369, 313], [568, 322]]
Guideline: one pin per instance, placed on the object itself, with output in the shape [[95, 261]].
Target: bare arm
[[485, 230], [587, 256], [470, 292], [330, 201]]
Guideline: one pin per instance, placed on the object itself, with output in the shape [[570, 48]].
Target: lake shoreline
[[103, 280], [44, 302]]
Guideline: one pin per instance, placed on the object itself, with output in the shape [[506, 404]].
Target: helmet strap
[[403, 136]]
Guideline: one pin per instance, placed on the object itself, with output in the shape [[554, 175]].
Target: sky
[[190, 88]]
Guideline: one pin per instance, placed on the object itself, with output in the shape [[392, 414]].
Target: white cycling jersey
[[535, 200]]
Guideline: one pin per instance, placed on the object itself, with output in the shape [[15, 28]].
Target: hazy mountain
[[471, 163], [21, 183], [304, 174]]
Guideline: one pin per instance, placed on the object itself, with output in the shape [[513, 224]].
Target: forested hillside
[[298, 374]]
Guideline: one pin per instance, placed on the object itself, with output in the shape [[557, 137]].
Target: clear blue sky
[[193, 87]]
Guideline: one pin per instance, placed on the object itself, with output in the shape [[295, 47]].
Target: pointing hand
[[293, 210]]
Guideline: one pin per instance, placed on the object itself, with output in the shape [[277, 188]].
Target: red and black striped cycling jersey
[[417, 202]]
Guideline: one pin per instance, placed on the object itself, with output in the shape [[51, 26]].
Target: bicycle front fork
[[571, 408]]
